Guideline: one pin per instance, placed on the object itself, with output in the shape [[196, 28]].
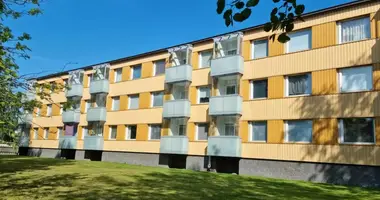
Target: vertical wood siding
[[193, 95], [275, 131], [195, 59], [324, 35], [276, 87], [191, 131], [244, 89], [324, 82], [126, 73], [142, 132], [144, 100], [247, 50], [244, 131], [325, 131], [147, 69], [275, 48], [120, 132]]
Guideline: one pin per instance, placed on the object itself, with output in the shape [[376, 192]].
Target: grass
[[43, 178]]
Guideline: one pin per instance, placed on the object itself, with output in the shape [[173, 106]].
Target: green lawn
[[41, 178]]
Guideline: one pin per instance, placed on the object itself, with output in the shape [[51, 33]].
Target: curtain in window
[[113, 132], [116, 103], [204, 94], [259, 131], [355, 30], [118, 75], [356, 79], [298, 84], [155, 132], [299, 131], [260, 49], [179, 92], [134, 102], [358, 130], [100, 100], [71, 129]]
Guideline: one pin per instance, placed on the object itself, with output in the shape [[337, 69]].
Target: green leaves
[[299, 9], [220, 5], [239, 17], [283, 38], [227, 17], [252, 3]]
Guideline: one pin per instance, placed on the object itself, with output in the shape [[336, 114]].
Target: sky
[[77, 33]]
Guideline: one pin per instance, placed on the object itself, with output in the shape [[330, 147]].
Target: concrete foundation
[[367, 176]]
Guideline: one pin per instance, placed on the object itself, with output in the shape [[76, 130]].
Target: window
[[53, 86], [178, 126], [229, 129], [259, 49], [355, 79], [35, 133], [133, 102], [136, 72], [299, 131], [357, 130], [259, 89], [300, 40], [227, 125], [88, 105], [155, 132], [118, 75], [96, 128], [84, 132], [298, 85], [115, 103], [205, 59], [48, 112], [157, 99], [159, 67], [230, 89], [98, 100], [113, 132], [179, 91], [46, 133], [89, 80], [354, 30], [203, 94], [131, 132], [180, 57], [227, 47], [38, 112], [59, 132], [202, 132], [259, 131]]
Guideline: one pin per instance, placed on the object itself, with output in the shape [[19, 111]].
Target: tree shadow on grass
[[13, 164]]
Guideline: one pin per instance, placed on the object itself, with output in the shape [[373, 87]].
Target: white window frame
[[61, 109], [154, 68], [128, 132], [110, 131], [35, 133], [253, 48], [59, 132], [49, 110], [84, 131], [46, 133], [116, 73], [232, 84], [300, 95], [339, 27], [200, 58], [129, 102], [251, 132], [150, 131], [199, 94], [113, 103], [310, 40], [89, 80], [340, 79], [87, 104], [133, 71], [152, 99], [251, 89], [341, 133], [197, 131], [287, 132]]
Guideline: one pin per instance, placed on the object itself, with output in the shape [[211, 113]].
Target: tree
[[14, 88], [282, 17]]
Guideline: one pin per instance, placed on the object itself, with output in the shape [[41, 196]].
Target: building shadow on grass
[[13, 164]]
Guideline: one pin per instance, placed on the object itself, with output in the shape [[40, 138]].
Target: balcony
[[93, 143], [226, 146], [174, 145], [178, 73], [68, 142], [176, 108], [71, 116], [25, 118], [75, 91], [226, 105], [23, 141], [96, 114], [227, 65], [99, 86]]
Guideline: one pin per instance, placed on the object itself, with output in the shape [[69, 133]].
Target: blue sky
[[92, 31]]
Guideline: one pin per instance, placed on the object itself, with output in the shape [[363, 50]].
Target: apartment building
[[238, 102]]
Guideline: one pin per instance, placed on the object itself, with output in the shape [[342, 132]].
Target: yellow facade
[[324, 106]]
